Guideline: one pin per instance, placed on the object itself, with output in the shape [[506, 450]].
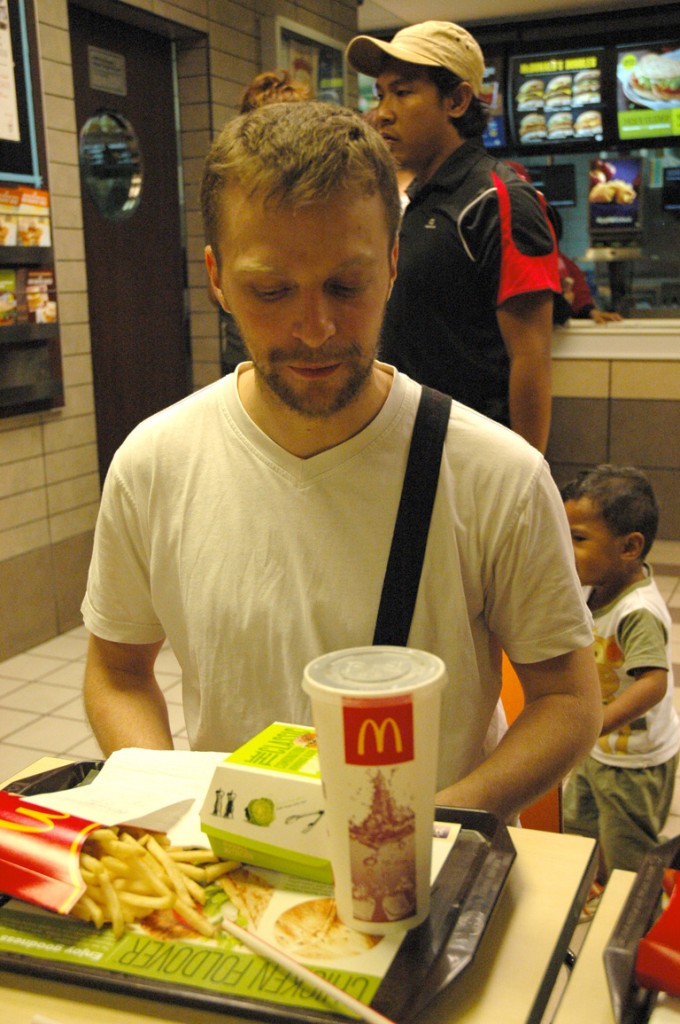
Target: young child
[[622, 793]]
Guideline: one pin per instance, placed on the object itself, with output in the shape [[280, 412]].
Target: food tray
[[431, 956]]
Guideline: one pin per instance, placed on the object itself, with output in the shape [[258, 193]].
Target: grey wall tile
[[579, 431], [28, 610], [645, 433], [71, 561]]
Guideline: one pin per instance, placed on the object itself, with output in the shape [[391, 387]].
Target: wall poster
[[315, 59], [18, 144], [9, 114]]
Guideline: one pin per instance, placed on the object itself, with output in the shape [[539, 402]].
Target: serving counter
[[616, 398], [511, 978], [640, 340]]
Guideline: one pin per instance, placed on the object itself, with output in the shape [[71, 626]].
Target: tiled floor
[[41, 708], [40, 691]]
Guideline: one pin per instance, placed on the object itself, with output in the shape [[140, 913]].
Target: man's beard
[[318, 399]]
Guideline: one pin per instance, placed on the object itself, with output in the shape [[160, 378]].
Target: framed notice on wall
[[18, 143], [309, 56]]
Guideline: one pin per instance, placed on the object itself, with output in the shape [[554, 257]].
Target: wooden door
[[135, 265]]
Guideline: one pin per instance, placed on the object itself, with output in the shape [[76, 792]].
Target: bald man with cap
[[471, 309]]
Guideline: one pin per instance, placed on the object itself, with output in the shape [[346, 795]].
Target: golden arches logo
[[42, 821], [379, 734]]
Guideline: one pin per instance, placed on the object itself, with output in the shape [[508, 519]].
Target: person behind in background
[[575, 288], [267, 87], [622, 793], [273, 87], [251, 523], [471, 309]]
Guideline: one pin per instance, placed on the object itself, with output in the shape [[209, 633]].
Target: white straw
[[304, 973]]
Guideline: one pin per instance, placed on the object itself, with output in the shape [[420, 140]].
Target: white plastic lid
[[363, 670]]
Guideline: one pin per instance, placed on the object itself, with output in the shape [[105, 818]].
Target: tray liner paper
[[40, 853]]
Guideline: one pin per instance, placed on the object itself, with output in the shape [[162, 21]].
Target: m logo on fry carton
[[40, 853], [377, 732]]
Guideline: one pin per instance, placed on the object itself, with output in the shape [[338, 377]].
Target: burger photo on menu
[[557, 92], [560, 125], [586, 88], [530, 94], [650, 79], [588, 124], [532, 128]]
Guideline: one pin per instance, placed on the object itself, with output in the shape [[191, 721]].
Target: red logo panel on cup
[[378, 732]]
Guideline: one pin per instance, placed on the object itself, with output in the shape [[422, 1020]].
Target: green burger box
[[265, 804]]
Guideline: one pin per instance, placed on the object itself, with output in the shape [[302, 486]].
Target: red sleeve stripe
[[519, 272]]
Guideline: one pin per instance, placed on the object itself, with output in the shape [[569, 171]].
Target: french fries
[[129, 873]]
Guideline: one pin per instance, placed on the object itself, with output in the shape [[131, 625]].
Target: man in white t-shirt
[[250, 524]]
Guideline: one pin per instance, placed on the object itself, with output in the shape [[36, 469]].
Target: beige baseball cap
[[434, 43]]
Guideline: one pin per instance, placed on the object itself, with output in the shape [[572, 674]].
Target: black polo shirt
[[473, 236]]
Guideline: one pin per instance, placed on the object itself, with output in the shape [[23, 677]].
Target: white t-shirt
[[252, 561], [626, 640]]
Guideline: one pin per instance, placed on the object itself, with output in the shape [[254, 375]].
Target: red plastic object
[[657, 965], [40, 853]]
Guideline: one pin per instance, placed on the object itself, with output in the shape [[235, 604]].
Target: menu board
[[495, 135], [556, 99], [670, 190], [614, 206], [648, 91]]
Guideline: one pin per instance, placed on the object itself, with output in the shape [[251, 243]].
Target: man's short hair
[[298, 154], [472, 124], [622, 495]]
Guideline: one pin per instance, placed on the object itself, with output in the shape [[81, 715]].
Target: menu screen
[[556, 99], [495, 136], [670, 192], [614, 196], [648, 92]]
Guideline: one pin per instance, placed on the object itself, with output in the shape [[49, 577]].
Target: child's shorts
[[624, 808]]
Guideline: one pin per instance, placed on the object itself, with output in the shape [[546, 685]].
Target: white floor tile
[[166, 680], [167, 662], [9, 686], [11, 721], [74, 709], [67, 646], [29, 666], [173, 694], [55, 735], [69, 673], [176, 716], [86, 750], [39, 698]]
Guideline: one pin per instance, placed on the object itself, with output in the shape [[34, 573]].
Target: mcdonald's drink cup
[[376, 714]]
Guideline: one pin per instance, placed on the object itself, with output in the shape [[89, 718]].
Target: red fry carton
[[40, 853]]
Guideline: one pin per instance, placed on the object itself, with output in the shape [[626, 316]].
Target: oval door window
[[111, 164]]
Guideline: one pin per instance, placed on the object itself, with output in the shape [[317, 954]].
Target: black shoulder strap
[[404, 565]]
